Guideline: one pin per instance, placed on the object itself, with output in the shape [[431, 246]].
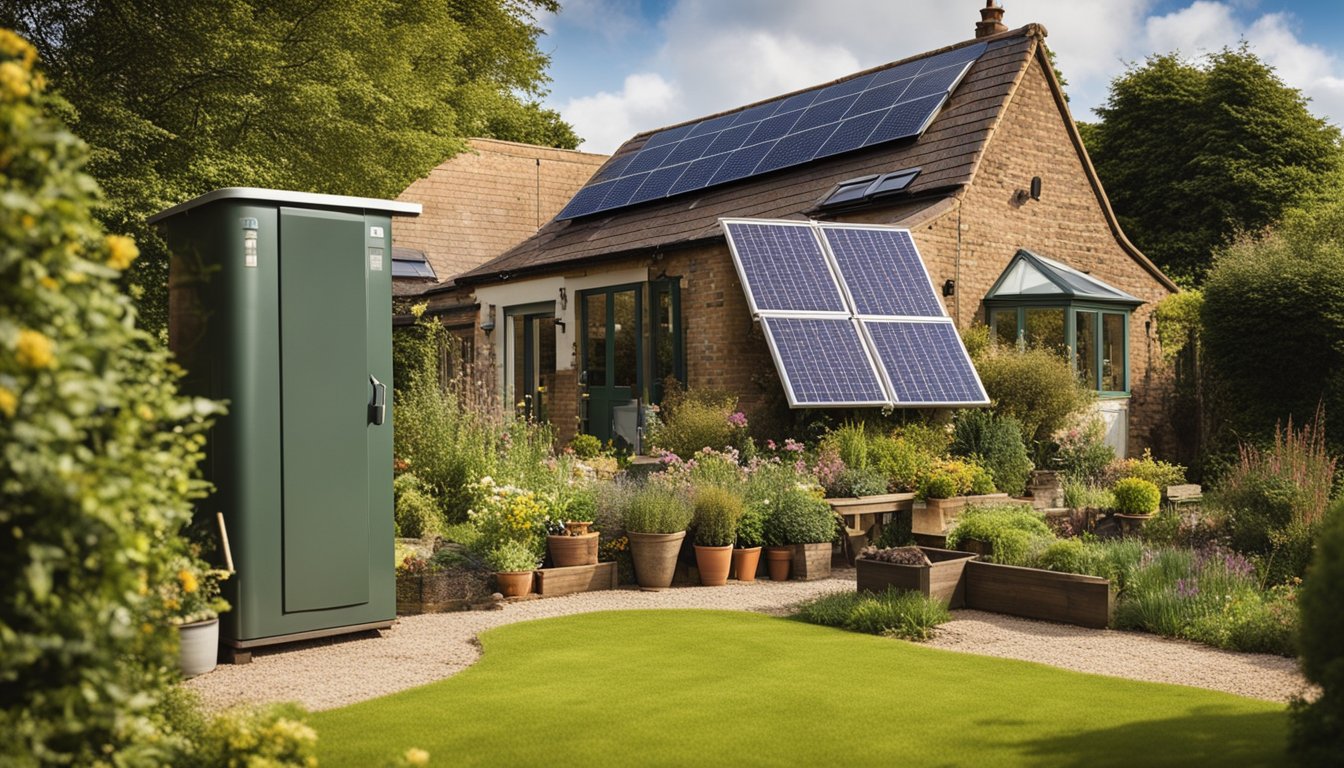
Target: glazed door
[[531, 357], [611, 340]]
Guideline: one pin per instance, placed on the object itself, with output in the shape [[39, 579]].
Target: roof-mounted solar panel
[[894, 104], [850, 315]]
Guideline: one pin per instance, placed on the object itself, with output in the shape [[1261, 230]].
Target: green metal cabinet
[[280, 303]]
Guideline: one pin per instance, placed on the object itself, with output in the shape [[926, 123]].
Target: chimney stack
[[991, 20]]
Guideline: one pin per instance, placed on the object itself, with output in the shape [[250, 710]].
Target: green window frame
[[1089, 338]]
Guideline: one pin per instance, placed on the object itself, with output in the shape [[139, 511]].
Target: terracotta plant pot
[[713, 564], [655, 556], [777, 561], [514, 583], [745, 562], [198, 647], [567, 551]]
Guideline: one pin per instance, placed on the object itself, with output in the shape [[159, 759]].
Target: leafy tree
[[1193, 154], [356, 98], [98, 461], [1318, 726]]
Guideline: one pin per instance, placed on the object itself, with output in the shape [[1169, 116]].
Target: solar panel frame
[[740, 233], [908, 287], [820, 361], [866, 104], [875, 333]]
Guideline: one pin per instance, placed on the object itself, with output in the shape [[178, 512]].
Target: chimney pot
[[991, 20]]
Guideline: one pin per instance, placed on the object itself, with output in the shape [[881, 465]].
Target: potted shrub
[[750, 533], [805, 526], [1136, 500], [947, 489], [513, 563], [194, 604], [655, 523], [717, 511]]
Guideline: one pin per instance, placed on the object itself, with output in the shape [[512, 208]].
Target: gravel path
[[331, 673]]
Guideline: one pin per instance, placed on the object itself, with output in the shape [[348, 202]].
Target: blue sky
[[622, 66]]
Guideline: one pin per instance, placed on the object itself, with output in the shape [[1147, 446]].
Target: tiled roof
[[947, 153]]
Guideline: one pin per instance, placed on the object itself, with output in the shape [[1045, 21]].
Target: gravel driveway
[[421, 649]]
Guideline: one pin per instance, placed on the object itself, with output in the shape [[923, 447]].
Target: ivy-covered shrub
[[1036, 386], [1136, 497], [98, 461], [1318, 726], [995, 442]]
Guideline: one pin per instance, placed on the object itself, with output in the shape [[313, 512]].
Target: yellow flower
[[14, 80], [121, 251], [188, 580], [419, 309], [34, 350], [415, 756], [49, 283], [9, 402]]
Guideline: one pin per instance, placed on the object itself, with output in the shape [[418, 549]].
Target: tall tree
[[1192, 154], [357, 97]]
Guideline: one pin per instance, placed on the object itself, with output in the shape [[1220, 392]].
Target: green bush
[[416, 514], [850, 441], [98, 461], [907, 615], [511, 556], [798, 517], [585, 446], [930, 439], [274, 735], [1159, 473], [859, 482], [940, 485], [955, 477], [695, 419], [995, 442], [1136, 497], [1318, 726], [717, 511], [658, 509], [1080, 495], [982, 482], [1012, 531], [901, 461], [1037, 387], [751, 526], [1075, 556], [1275, 498]]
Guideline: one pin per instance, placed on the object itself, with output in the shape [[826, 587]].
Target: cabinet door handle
[[378, 408]]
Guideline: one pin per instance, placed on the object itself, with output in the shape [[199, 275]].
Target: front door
[[611, 343], [531, 360]]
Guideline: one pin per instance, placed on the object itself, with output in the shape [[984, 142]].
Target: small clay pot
[[777, 562], [567, 551], [514, 583], [713, 564], [745, 561]]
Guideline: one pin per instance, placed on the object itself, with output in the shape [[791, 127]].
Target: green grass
[[686, 687]]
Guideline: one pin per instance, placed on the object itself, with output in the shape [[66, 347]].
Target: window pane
[[1004, 322], [1113, 352], [626, 329], [1086, 347], [1045, 328], [595, 351], [518, 386]]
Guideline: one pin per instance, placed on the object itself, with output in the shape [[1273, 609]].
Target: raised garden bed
[[456, 589], [937, 515], [1067, 598], [941, 579], [573, 579]]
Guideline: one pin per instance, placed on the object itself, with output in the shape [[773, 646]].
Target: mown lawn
[[706, 687]]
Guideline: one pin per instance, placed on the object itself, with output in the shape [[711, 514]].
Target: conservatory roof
[[1032, 276]]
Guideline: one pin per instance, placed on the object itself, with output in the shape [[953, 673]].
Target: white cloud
[[605, 119]]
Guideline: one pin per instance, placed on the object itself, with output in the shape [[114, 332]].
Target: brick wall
[[488, 199]]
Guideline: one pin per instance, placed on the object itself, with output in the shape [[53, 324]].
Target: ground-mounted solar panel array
[[850, 315], [892, 104]]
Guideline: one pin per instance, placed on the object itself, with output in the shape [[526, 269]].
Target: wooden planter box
[[937, 515], [1067, 598], [942, 580], [578, 578], [443, 592], [811, 561]]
